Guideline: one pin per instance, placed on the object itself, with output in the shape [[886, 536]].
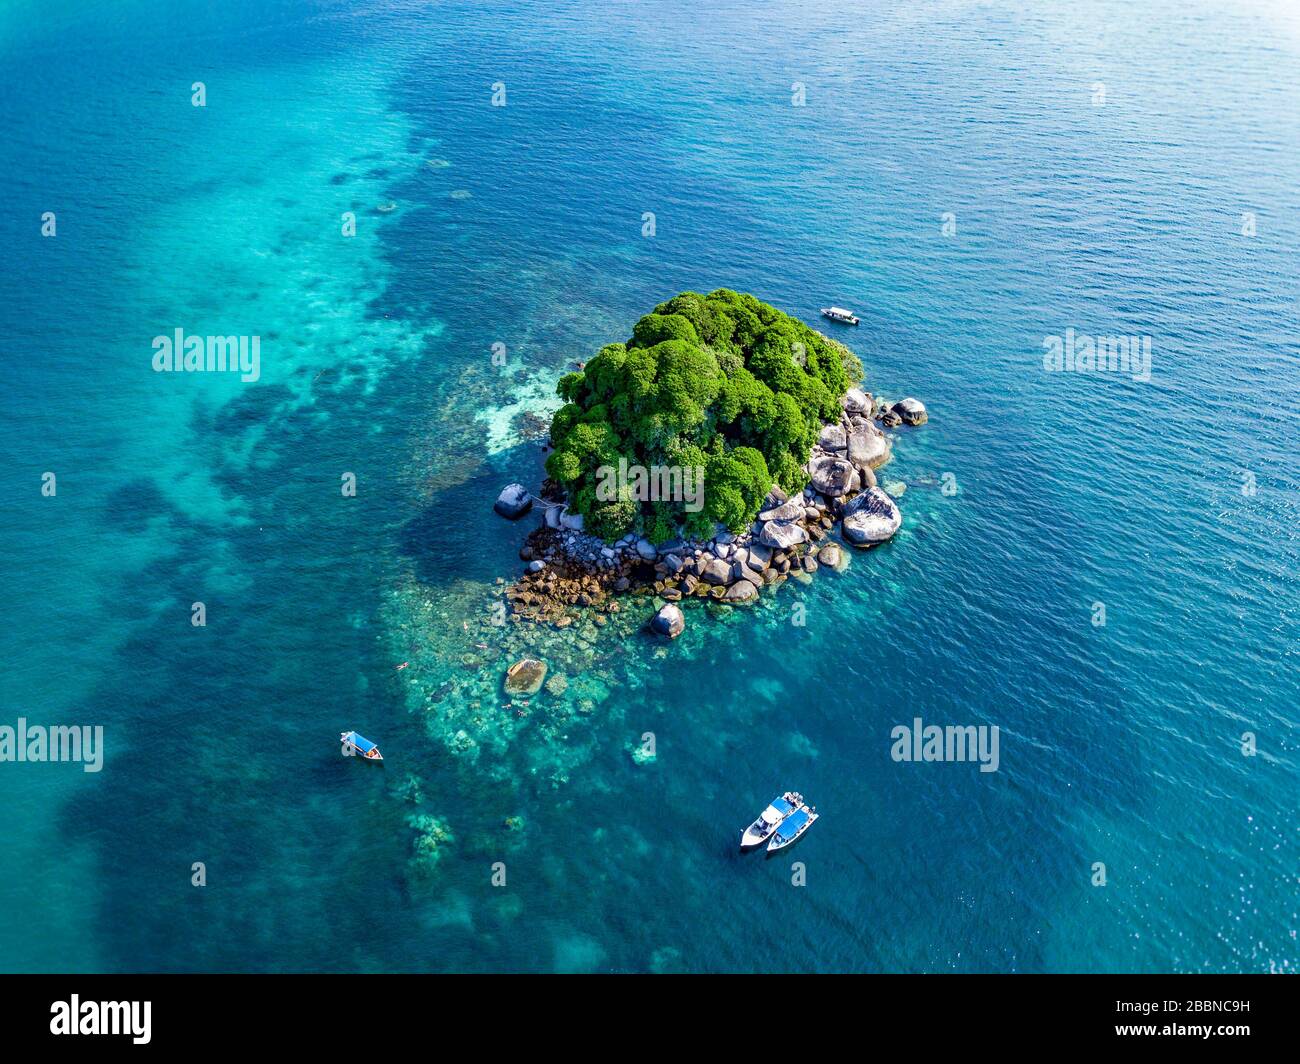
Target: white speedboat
[[792, 827], [840, 314], [769, 818]]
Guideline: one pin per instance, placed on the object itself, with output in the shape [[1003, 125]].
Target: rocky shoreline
[[568, 568]]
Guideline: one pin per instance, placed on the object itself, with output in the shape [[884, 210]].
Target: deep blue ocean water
[[1173, 502]]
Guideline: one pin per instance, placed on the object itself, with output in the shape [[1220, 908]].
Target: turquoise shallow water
[[521, 225]]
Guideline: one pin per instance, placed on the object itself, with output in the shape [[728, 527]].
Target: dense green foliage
[[722, 383]]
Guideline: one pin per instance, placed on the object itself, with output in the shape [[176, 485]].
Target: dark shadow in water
[[135, 504], [460, 537]]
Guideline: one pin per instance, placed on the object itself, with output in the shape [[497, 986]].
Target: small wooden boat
[[360, 746], [840, 314]]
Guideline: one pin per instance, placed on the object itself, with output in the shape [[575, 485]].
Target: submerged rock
[[871, 518], [829, 555], [641, 753], [525, 676], [669, 621], [432, 837], [513, 502]]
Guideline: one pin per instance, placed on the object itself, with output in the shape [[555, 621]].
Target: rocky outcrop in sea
[[793, 536]]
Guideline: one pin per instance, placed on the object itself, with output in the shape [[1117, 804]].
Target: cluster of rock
[[572, 568], [567, 567]]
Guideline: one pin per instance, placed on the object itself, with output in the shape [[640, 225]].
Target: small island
[[711, 455]]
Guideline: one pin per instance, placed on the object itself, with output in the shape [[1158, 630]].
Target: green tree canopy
[[721, 383]]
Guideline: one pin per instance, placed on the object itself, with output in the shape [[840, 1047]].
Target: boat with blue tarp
[[360, 746], [792, 827]]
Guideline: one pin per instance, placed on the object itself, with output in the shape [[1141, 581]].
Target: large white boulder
[[716, 571], [669, 621], [782, 535], [911, 411], [868, 448], [513, 502], [788, 511], [856, 401], [740, 591], [830, 476], [871, 518], [832, 438]]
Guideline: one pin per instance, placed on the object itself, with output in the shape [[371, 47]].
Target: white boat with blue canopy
[[762, 828], [360, 746], [792, 827]]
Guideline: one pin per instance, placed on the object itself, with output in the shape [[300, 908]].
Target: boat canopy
[[791, 827], [841, 311], [774, 812], [364, 745]]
